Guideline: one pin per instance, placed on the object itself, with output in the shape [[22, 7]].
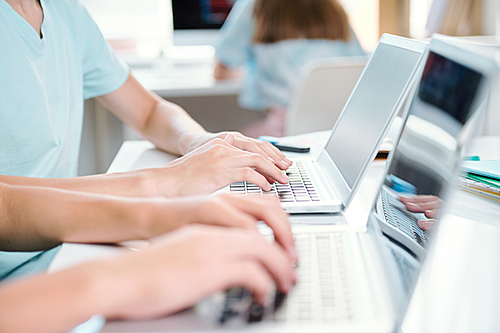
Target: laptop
[[362, 281], [327, 184]]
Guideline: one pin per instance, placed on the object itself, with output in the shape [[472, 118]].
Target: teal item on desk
[[401, 186], [490, 169]]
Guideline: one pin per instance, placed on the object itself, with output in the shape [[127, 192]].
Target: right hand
[[427, 204], [187, 265], [223, 210], [213, 166]]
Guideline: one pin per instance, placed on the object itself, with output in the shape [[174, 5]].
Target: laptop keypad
[[299, 189], [323, 292], [403, 220]]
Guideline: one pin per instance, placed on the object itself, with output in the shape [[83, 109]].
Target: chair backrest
[[321, 93]]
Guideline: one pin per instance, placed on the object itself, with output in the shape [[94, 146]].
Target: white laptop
[[327, 184], [357, 281]]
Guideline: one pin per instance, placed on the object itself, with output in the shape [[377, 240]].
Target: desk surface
[[187, 72], [140, 154]]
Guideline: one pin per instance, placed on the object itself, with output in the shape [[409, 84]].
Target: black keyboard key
[[255, 313]]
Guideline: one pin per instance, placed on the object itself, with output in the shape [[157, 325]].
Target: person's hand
[[222, 210], [212, 167], [427, 204], [238, 140], [187, 265]]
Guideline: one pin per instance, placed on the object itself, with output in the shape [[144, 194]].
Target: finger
[[218, 211], [431, 205], [432, 213], [250, 275], [272, 257], [425, 198], [264, 149], [262, 165], [268, 209], [426, 225], [229, 138], [274, 152], [413, 207], [251, 176]]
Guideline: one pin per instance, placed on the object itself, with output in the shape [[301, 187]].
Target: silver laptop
[[357, 281], [328, 183]]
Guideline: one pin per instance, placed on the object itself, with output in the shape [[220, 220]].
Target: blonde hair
[[278, 20]]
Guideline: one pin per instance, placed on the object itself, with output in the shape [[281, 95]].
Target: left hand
[[238, 140], [427, 204]]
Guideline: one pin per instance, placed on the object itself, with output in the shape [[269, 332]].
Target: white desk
[[183, 71], [139, 154]]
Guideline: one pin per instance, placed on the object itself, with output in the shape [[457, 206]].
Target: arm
[[165, 124], [33, 219], [169, 127], [205, 170], [174, 273], [222, 72]]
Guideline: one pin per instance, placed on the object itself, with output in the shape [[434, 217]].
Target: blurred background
[[168, 47]]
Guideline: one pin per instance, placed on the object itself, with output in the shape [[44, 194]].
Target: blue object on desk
[[401, 186]]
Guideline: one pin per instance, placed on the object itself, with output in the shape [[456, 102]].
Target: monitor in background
[[196, 22]]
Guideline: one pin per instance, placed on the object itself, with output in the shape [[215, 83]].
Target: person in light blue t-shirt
[[273, 40], [52, 58]]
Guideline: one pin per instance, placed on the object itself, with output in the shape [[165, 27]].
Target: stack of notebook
[[482, 178]]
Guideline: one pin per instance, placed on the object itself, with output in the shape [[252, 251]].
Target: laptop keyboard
[[299, 189], [323, 291], [403, 220]]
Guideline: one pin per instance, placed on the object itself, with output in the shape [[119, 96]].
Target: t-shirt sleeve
[[233, 44], [103, 72]]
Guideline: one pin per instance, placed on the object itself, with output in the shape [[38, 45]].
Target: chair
[[323, 89]]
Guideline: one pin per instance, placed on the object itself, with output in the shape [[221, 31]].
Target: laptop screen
[[370, 106], [423, 166]]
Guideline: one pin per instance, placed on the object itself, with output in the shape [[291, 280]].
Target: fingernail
[[294, 263], [285, 178], [285, 163], [421, 224], [293, 255], [428, 225]]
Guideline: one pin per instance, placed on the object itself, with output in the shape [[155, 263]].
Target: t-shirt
[[272, 69], [43, 84]]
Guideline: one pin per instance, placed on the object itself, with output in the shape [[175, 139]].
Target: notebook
[[328, 183], [488, 169]]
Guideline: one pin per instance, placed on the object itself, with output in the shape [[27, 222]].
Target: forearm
[[33, 219], [60, 301], [170, 128], [131, 184]]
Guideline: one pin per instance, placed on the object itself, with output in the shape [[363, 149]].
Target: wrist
[[156, 182], [116, 285], [190, 140]]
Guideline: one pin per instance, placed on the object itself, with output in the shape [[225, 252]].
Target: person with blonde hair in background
[[273, 40]]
